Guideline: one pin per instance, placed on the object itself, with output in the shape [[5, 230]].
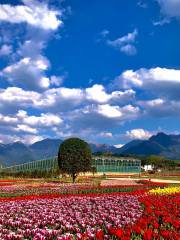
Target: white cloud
[[32, 47], [79, 111], [138, 134], [26, 138], [25, 128], [8, 119], [44, 120], [30, 139], [170, 8], [57, 80], [128, 49], [5, 50], [104, 33], [101, 117], [97, 93], [28, 128], [22, 122], [118, 145], [13, 98], [33, 12], [121, 97], [60, 99], [154, 102], [165, 82], [109, 111], [125, 43], [28, 73], [129, 38], [161, 107], [106, 134], [161, 22]]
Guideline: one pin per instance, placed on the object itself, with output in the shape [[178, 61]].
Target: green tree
[[74, 157]]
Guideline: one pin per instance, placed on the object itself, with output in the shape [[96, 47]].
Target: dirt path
[[119, 182], [136, 179]]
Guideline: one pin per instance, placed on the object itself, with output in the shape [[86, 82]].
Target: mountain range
[[160, 144]]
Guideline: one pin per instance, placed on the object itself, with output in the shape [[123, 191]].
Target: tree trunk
[[74, 177]]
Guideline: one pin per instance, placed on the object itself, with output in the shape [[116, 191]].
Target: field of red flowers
[[83, 213]]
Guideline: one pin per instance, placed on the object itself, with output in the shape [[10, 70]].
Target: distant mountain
[[160, 144], [129, 145], [45, 148], [17, 153], [102, 148]]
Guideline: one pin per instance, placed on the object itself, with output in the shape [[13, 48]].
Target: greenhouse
[[117, 165], [101, 164]]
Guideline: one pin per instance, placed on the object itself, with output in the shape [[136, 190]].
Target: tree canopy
[[74, 156]]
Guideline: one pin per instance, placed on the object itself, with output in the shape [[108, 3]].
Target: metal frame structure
[[117, 165], [102, 164]]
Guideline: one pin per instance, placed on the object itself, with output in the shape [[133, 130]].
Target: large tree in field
[[74, 157]]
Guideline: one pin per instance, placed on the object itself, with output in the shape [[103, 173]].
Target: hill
[[17, 152], [160, 144]]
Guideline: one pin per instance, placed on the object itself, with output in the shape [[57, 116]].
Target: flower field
[[26, 189], [83, 211]]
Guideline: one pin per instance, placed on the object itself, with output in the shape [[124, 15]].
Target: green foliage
[[74, 157]]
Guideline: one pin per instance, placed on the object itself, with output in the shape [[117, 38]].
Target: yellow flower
[[166, 190]]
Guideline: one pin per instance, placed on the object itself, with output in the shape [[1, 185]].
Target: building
[[116, 165]]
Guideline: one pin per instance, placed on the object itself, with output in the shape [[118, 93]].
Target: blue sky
[[106, 71]]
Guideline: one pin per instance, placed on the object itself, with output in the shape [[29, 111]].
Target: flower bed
[[167, 190], [52, 211], [160, 219], [78, 188], [67, 217]]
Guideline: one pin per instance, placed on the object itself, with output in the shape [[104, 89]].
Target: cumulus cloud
[[28, 68], [129, 49], [102, 116], [97, 93], [34, 13], [126, 43], [25, 138], [5, 50], [138, 134], [170, 8], [109, 111], [161, 107], [28, 73], [13, 98], [61, 99], [27, 128], [57, 80], [44, 120], [162, 81], [22, 122]]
